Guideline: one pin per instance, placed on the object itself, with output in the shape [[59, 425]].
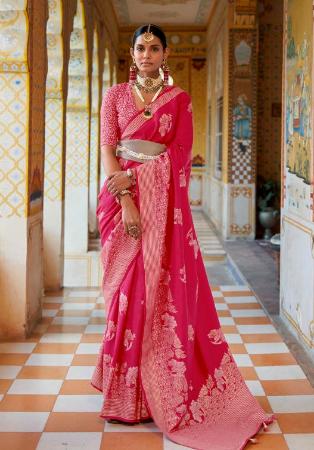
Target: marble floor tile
[[63, 422], [77, 306], [132, 441], [9, 372], [247, 299], [76, 293], [170, 445], [266, 348], [77, 441], [87, 349], [49, 312], [98, 313], [78, 403], [140, 428], [300, 441], [61, 337], [27, 403], [17, 347], [292, 403], [40, 359], [247, 313], [80, 373], [66, 320], [98, 329], [255, 387], [23, 421], [243, 360], [280, 372], [233, 338], [24, 386], [259, 329], [226, 321]]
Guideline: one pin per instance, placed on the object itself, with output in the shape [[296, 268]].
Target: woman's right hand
[[130, 217]]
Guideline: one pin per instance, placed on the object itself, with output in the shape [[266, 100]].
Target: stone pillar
[[239, 193], [22, 83], [77, 155], [94, 144], [54, 152]]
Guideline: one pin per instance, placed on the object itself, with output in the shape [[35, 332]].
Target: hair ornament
[[148, 35]]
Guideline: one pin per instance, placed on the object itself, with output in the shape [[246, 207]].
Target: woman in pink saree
[[163, 355]]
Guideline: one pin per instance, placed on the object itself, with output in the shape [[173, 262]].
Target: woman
[[163, 355]]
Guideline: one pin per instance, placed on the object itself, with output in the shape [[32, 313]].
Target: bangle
[[122, 193]]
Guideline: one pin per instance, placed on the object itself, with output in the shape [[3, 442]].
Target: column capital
[[243, 13]]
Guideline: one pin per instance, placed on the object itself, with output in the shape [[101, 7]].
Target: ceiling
[[163, 12]]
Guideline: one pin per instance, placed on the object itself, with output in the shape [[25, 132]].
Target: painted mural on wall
[[242, 107], [298, 127], [241, 141]]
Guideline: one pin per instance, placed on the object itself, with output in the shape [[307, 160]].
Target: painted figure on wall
[[242, 121], [298, 105]]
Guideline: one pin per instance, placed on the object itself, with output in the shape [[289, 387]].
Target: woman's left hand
[[118, 181]]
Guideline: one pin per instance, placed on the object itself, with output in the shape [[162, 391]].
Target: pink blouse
[[118, 107]]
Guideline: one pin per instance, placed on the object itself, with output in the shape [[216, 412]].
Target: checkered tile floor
[[211, 247], [47, 403]]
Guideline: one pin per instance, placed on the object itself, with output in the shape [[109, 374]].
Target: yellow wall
[[217, 40]]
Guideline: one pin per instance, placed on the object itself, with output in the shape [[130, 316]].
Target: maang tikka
[[148, 35]]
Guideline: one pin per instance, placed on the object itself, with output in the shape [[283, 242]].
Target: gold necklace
[[148, 84], [147, 113]]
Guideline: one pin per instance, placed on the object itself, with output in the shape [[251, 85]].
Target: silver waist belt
[[139, 150]]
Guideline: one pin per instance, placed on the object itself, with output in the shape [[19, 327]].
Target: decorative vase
[[268, 218]]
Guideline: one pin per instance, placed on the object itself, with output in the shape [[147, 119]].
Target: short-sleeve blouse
[[118, 107]]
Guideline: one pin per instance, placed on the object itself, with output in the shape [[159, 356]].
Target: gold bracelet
[[122, 193]]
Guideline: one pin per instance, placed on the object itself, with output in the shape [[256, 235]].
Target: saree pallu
[[163, 353]]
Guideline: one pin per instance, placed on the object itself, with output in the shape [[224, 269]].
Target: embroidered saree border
[[153, 179], [139, 119]]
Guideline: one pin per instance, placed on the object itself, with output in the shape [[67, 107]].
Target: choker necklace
[[148, 84], [147, 113]]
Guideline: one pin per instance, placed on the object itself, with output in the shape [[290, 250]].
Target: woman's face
[[148, 55]]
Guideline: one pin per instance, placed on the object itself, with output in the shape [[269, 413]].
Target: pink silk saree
[[163, 354]]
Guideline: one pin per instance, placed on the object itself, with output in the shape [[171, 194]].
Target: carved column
[[240, 202]]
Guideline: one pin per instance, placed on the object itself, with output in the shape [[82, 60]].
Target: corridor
[[246, 71], [47, 402]]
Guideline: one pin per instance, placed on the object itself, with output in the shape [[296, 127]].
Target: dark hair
[[157, 31]]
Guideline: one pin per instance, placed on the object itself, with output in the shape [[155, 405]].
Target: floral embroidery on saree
[[111, 330], [121, 388], [128, 339], [182, 178], [165, 123], [177, 216], [216, 336], [193, 242], [123, 303], [214, 395], [183, 274], [190, 333]]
